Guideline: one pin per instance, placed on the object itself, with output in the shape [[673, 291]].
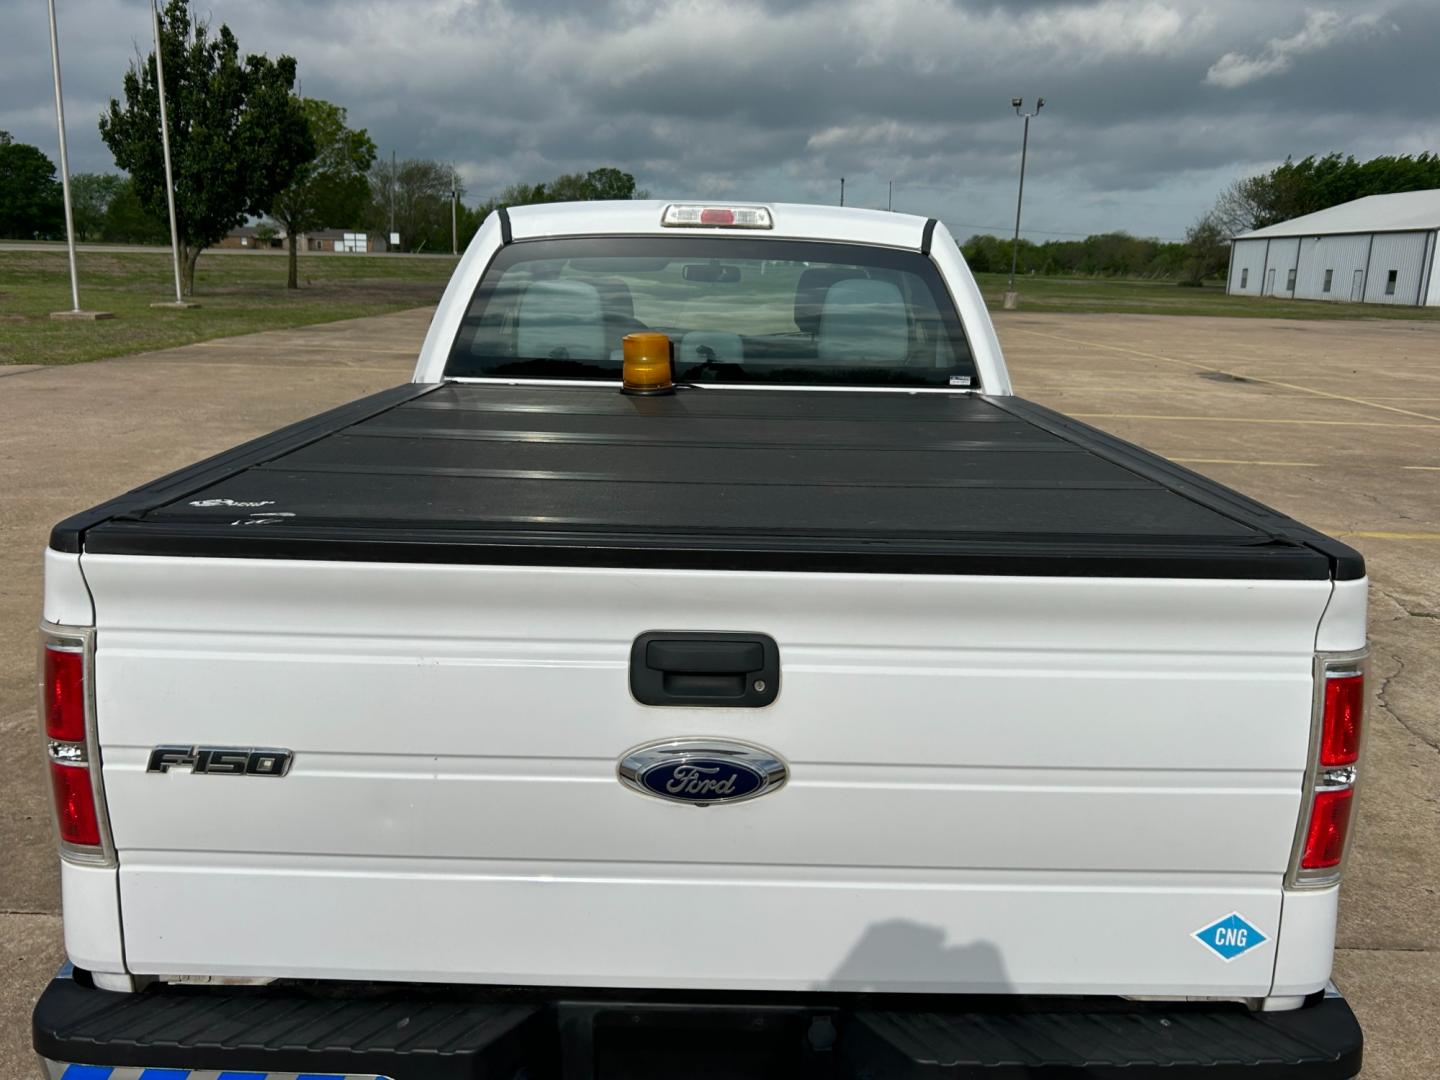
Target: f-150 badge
[[702, 772], [221, 760]]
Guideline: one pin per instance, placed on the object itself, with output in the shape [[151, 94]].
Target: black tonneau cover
[[709, 478]]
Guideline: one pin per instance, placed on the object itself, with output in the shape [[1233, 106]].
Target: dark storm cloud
[[1153, 105]]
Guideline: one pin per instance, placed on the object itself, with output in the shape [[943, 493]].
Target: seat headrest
[[864, 321], [560, 320], [615, 297], [810, 293]]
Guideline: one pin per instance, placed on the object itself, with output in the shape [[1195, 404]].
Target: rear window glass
[[736, 310]]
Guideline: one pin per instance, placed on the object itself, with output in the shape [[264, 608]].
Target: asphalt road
[[1337, 423]]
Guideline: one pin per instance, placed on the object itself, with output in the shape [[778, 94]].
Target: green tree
[[330, 191], [1206, 250], [127, 222], [1243, 206], [31, 203], [469, 220], [419, 192], [90, 198], [237, 133], [602, 183], [1102, 255]]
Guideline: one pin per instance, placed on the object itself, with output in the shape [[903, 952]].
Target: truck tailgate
[[1031, 784]]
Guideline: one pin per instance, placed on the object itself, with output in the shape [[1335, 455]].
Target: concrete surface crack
[[1381, 696], [1420, 614], [1384, 948]]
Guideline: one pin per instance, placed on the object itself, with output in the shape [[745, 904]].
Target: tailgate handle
[[706, 656], [695, 668]]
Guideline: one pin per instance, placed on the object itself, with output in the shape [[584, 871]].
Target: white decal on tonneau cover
[[231, 502], [268, 518]]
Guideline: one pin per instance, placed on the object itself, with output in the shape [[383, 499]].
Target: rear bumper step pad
[[417, 1033], [1178, 1042]]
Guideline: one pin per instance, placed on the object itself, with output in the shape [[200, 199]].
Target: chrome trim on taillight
[[68, 753], [84, 755], [1328, 665]]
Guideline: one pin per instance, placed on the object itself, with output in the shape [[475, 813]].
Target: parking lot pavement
[[1335, 423]]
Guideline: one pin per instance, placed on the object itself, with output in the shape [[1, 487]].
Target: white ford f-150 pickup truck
[[705, 667]]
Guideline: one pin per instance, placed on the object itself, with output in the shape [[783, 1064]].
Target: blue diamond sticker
[[1232, 936]]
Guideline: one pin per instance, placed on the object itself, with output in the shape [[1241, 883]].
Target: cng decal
[[1230, 937]]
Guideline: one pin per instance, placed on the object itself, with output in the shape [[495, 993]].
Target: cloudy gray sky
[[1152, 105]]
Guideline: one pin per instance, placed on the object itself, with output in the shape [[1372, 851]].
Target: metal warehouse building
[[1376, 250]]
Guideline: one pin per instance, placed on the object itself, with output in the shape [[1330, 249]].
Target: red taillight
[[713, 216], [75, 804], [1344, 708], [63, 691], [65, 659], [1338, 709], [1329, 826]]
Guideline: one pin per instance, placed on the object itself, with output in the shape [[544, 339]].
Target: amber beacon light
[[649, 368]]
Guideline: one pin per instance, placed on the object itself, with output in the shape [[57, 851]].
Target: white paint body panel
[[1038, 785], [90, 899], [67, 598], [1343, 627], [1305, 952]]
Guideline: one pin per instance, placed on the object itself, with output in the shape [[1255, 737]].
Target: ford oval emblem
[[702, 772]]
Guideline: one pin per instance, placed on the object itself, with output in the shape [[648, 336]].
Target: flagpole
[[165, 145], [64, 161], [75, 311]]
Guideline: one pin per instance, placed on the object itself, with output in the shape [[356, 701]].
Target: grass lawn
[[238, 294], [1132, 297]]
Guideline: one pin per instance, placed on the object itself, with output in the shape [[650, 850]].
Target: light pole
[[842, 191], [75, 311], [454, 204], [1018, 104]]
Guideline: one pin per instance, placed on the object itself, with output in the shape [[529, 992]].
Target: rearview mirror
[[711, 272]]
